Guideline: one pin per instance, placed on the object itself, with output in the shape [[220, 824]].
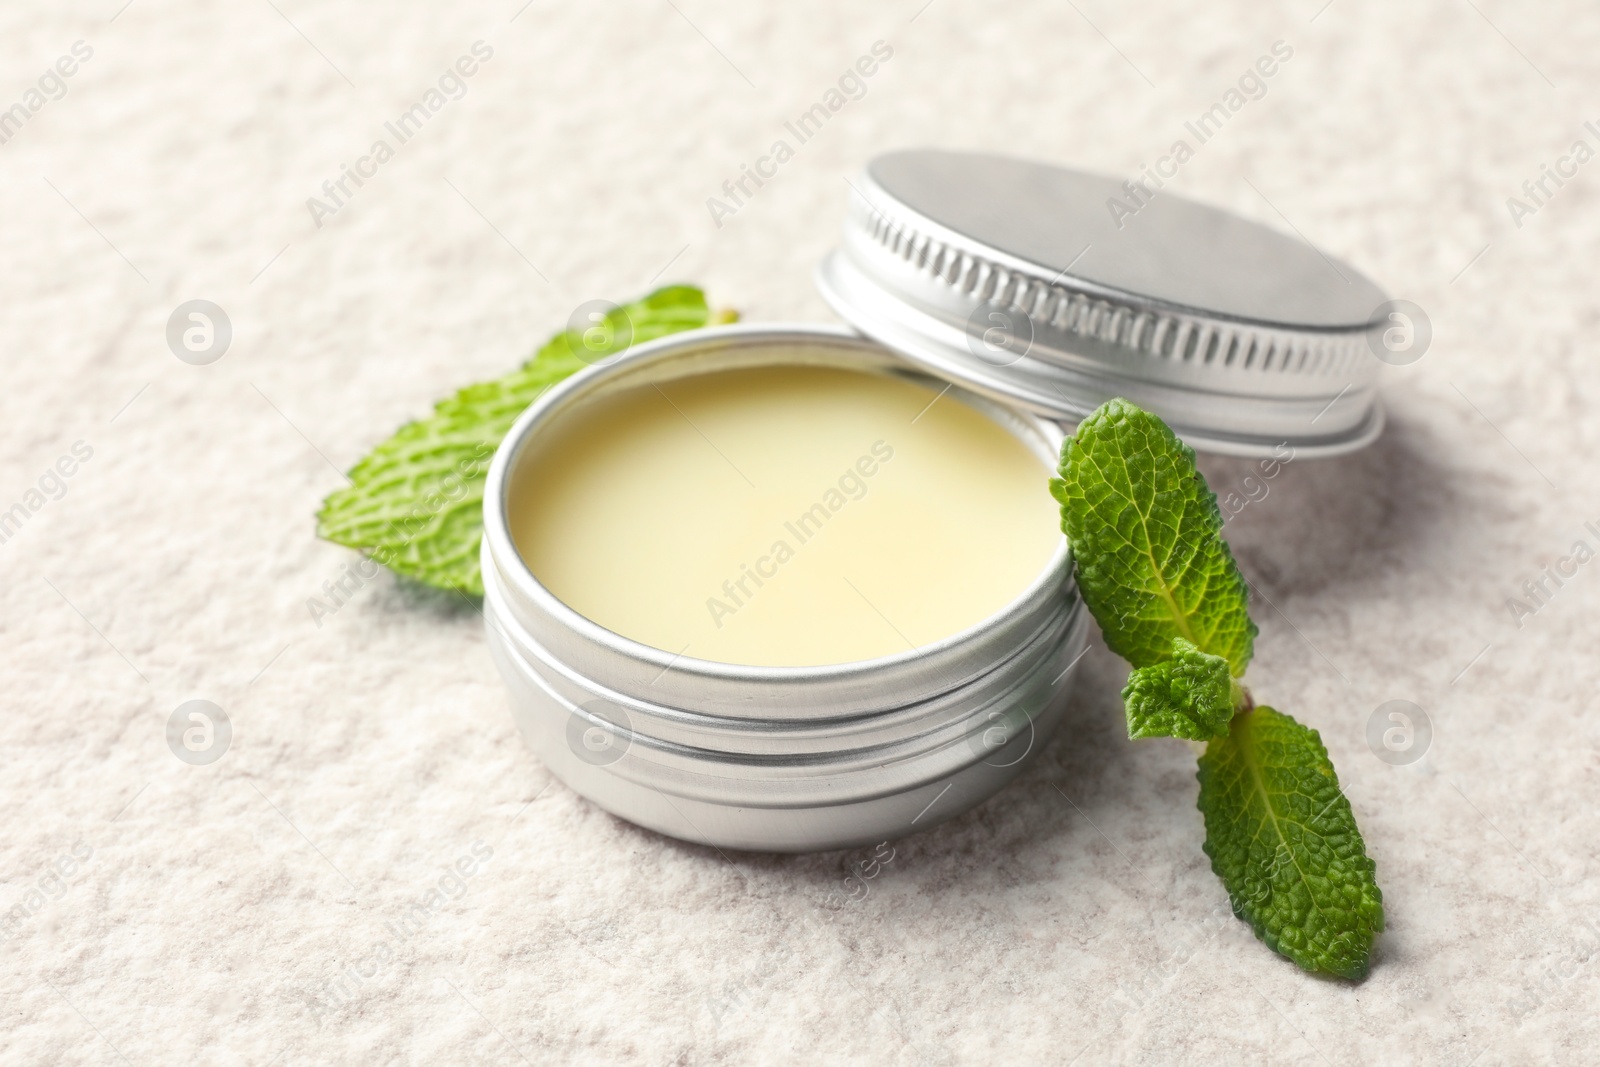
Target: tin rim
[[1066, 393], [689, 733], [809, 692]]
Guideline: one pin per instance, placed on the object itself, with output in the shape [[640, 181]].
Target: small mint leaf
[[1147, 537], [1284, 841], [415, 502], [1188, 696]]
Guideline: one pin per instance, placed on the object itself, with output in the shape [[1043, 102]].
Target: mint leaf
[[1283, 839], [415, 502], [1147, 537], [1190, 695]]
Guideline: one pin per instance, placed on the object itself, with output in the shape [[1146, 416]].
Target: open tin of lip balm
[[1001, 289], [794, 757]]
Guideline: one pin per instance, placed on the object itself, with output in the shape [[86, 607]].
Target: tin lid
[[1055, 290]]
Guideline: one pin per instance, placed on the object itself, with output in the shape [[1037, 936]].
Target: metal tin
[[1055, 290], [774, 758]]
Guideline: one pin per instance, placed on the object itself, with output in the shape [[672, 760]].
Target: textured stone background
[[1071, 917]]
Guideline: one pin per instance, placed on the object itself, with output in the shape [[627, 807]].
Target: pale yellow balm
[[783, 515]]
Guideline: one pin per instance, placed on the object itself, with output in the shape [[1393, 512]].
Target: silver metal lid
[[1029, 283]]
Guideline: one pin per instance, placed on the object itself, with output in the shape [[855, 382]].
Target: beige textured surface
[[1072, 916]]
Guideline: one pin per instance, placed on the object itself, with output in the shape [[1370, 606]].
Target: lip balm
[[786, 515]]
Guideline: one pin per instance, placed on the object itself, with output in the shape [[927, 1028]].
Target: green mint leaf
[[415, 502], [1147, 537], [1190, 695], [1283, 839]]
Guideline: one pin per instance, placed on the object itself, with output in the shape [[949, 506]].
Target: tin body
[[774, 758]]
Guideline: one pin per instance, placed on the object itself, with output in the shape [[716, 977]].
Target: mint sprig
[[1146, 536], [415, 502]]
